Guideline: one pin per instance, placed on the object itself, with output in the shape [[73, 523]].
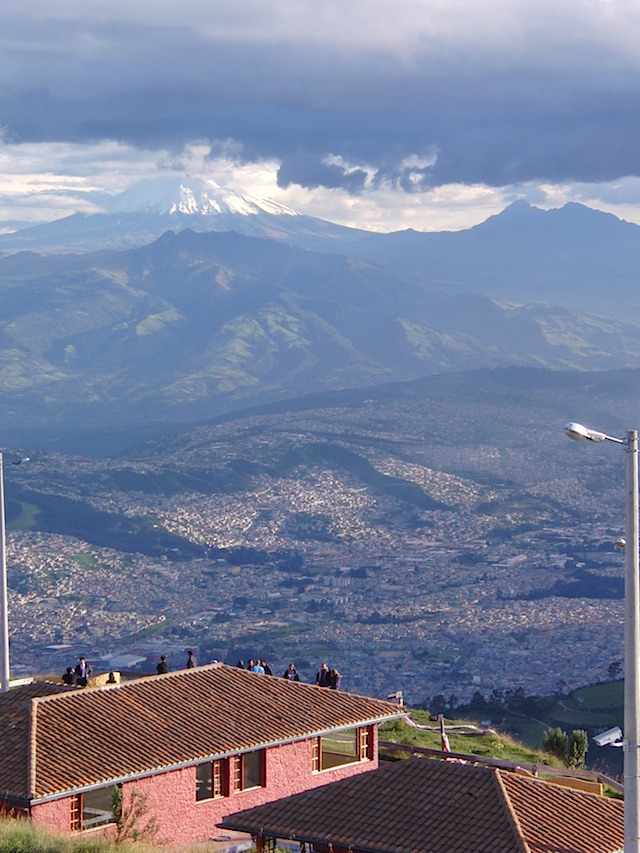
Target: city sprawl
[[416, 545]]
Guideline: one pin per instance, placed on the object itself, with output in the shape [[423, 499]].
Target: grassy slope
[[593, 708], [497, 745], [20, 836]]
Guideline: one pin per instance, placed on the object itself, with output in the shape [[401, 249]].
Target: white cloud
[[504, 90], [40, 182]]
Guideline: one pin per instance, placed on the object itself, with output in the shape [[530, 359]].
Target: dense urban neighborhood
[[447, 570]]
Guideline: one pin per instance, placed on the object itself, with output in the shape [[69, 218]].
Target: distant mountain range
[[263, 304], [573, 256], [150, 208]]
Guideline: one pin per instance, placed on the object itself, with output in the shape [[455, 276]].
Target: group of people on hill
[[325, 677], [255, 665], [163, 663], [78, 675], [330, 678]]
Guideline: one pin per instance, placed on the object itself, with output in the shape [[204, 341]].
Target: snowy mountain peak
[[188, 196]]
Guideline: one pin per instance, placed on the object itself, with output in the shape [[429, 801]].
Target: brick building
[[199, 744]]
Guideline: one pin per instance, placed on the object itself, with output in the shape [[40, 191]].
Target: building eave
[[193, 762]]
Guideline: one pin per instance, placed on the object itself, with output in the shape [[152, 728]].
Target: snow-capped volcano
[[189, 196], [153, 206]]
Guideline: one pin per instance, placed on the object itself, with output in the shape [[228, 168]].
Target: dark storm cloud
[[334, 113]]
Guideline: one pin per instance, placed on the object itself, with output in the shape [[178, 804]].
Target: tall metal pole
[[631, 652], [4, 598]]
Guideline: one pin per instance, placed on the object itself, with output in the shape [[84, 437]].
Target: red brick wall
[[172, 796]]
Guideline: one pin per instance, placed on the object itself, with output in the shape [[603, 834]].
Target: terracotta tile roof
[[567, 821], [159, 722], [15, 716], [426, 806]]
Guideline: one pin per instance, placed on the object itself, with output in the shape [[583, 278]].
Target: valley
[[261, 434], [437, 536]]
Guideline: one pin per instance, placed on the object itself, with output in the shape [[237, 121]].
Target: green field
[[27, 517], [494, 745], [593, 708]]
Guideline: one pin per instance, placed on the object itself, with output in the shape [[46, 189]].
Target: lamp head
[[578, 432]]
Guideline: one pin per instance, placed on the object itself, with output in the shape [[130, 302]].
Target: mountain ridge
[[573, 256], [194, 325]]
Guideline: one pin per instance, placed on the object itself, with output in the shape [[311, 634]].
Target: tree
[[438, 704], [577, 748], [515, 699], [556, 741], [130, 817], [497, 698], [615, 670], [571, 751], [478, 701]]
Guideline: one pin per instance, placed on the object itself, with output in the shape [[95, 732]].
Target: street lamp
[[631, 630], [4, 598]]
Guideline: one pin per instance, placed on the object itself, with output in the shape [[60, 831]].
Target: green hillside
[[593, 708], [489, 745]]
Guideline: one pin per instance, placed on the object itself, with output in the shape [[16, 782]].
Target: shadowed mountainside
[[196, 325]]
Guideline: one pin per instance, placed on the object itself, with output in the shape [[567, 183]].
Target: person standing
[[83, 672], [191, 659], [163, 666], [291, 673], [322, 676], [335, 679], [257, 667]]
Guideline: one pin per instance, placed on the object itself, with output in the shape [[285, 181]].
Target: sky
[[429, 114]]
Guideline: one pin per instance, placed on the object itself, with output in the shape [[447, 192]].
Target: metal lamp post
[[631, 630], [4, 597]]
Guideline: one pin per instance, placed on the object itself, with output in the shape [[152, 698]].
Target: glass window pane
[[253, 767], [203, 782], [97, 807], [339, 748]]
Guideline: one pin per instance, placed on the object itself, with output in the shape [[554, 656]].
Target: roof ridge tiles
[[514, 821]]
